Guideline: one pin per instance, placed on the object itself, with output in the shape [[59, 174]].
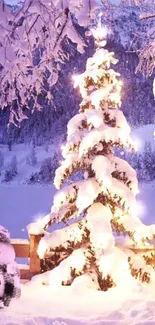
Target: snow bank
[[130, 304]]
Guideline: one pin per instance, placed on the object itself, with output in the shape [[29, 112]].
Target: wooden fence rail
[[28, 249]]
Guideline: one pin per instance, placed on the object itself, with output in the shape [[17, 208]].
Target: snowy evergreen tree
[[31, 159], [140, 168], [47, 171], [11, 170], [1, 161], [13, 165], [104, 199], [148, 155]]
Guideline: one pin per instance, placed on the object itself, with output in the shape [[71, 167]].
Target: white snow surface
[[128, 304], [22, 151], [98, 220], [87, 193]]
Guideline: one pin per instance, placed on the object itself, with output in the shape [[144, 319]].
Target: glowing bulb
[[74, 77], [62, 148], [124, 266], [137, 143], [141, 209], [137, 238], [42, 248], [100, 33], [39, 219], [137, 191]]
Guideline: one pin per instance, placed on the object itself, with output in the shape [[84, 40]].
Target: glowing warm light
[[106, 182], [137, 143], [39, 220], [115, 97], [59, 198], [62, 147], [137, 238], [42, 248], [78, 79], [137, 191], [140, 210], [100, 33], [74, 77], [124, 265], [106, 262]]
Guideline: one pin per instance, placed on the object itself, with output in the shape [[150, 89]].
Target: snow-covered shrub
[[105, 199], [48, 168], [7, 176], [9, 273]]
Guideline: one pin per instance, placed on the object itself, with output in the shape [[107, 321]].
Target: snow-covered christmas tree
[[102, 203]]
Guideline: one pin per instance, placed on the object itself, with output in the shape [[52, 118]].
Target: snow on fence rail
[[28, 249]]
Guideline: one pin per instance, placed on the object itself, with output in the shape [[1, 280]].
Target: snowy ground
[[119, 306], [22, 152]]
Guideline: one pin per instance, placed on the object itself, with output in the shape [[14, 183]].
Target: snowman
[[9, 273]]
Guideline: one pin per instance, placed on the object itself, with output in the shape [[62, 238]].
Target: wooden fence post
[[34, 258]]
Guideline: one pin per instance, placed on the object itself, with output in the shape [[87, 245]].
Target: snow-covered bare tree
[[31, 159], [147, 38], [104, 198], [30, 48], [143, 40]]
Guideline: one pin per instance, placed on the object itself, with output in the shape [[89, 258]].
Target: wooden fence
[[28, 249]]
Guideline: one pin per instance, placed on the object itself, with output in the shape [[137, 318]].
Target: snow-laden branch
[[147, 15], [31, 40]]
